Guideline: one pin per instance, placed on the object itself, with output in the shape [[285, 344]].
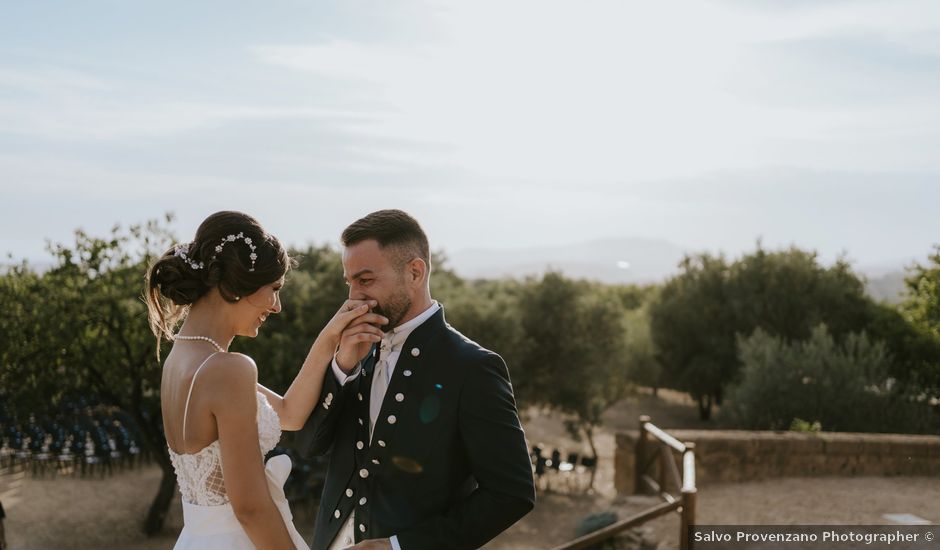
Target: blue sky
[[498, 124]]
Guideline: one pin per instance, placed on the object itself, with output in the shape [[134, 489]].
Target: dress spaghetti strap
[[190, 394]]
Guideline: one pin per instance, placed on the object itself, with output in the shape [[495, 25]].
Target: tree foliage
[[576, 360], [922, 305], [693, 329], [82, 327], [920, 337], [784, 293], [843, 386]]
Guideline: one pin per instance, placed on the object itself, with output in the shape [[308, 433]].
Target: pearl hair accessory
[[231, 238], [180, 250]]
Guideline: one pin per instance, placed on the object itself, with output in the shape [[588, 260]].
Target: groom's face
[[372, 274]]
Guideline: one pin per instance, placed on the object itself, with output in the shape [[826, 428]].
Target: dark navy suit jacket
[[448, 465]]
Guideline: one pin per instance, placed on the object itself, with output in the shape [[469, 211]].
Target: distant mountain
[[629, 261], [885, 281], [888, 287], [612, 261], [624, 261]]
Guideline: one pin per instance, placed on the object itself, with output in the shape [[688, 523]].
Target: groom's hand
[[357, 338], [373, 544]]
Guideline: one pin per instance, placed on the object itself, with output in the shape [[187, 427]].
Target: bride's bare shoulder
[[232, 371]]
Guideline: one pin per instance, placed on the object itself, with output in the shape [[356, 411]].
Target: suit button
[[349, 492], [361, 423], [359, 395], [375, 461], [362, 501], [392, 419], [359, 445], [399, 397], [336, 514], [363, 473], [407, 373], [415, 352], [381, 443], [362, 528], [349, 540]]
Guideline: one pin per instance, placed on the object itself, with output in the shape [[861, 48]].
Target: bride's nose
[[277, 304]]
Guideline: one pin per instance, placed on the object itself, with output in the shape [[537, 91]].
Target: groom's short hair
[[392, 229]]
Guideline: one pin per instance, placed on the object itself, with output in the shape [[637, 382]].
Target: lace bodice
[[200, 474]]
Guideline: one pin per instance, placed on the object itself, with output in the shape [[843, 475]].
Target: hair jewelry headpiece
[[181, 250], [231, 238]]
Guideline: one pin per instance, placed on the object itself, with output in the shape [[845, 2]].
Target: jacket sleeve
[[316, 436], [495, 446]]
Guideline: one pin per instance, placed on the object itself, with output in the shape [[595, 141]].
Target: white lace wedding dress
[[209, 522]]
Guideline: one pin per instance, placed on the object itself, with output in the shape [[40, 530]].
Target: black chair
[[538, 465], [567, 471], [570, 463], [590, 466], [556, 460]]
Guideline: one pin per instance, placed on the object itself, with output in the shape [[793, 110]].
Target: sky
[[498, 124]]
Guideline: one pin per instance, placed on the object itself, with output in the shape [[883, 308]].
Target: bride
[[219, 422]]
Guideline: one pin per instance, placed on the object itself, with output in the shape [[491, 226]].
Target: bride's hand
[[354, 325]]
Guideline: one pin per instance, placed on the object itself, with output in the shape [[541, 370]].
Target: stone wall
[[739, 455]]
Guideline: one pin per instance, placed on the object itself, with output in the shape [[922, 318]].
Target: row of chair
[[83, 437], [573, 472]]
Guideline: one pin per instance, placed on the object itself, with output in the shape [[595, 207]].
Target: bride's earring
[[237, 298]]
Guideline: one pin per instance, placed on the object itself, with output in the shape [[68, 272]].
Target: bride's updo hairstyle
[[231, 251]]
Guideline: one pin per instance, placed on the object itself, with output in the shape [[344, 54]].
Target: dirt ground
[[75, 513]]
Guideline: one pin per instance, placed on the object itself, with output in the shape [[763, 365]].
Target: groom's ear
[[417, 269]]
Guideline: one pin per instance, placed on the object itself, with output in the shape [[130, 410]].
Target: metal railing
[[655, 449]]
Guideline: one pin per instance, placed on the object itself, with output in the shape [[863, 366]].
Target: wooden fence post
[[640, 456], [688, 497]]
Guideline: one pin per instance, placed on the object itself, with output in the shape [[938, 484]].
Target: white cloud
[[49, 80], [616, 92], [101, 118]]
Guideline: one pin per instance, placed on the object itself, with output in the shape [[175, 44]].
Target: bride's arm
[[235, 408], [300, 399], [295, 405]]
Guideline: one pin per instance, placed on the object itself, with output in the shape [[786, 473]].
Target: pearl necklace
[[203, 338]]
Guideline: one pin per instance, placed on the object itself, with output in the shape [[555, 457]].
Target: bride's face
[[253, 310]]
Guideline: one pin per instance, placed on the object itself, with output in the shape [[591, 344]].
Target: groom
[[425, 444]]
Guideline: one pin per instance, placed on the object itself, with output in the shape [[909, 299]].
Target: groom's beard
[[394, 309]]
